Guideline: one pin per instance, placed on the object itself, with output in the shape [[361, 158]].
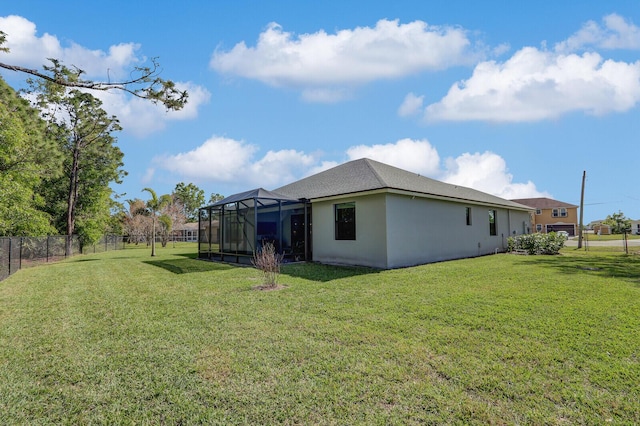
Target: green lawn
[[611, 237], [121, 337]]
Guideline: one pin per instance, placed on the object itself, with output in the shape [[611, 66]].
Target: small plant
[[268, 261]]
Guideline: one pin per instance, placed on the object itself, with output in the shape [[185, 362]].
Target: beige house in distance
[[552, 215]]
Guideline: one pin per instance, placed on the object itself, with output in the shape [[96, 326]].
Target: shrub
[[550, 243], [268, 261]]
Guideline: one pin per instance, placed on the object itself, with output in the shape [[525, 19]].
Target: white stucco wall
[[369, 247], [425, 230], [394, 230]]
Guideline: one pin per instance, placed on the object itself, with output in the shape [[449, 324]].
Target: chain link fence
[[21, 252]]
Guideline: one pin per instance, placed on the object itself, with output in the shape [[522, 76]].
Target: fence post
[[20, 256], [10, 241]]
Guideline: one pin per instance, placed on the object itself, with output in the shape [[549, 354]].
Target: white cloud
[[414, 155], [321, 61], [411, 105], [535, 85], [148, 175], [30, 50], [617, 33], [141, 117], [279, 167], [487, 172], [231, 162], [218, 159]]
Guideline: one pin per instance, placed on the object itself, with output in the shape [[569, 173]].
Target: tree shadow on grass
[[324, 273], [624, 267], [188, 265]]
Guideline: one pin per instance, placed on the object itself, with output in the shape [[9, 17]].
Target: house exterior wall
[[601, 229], [395, 230], [370, 246], [422, 230], [546, 218]]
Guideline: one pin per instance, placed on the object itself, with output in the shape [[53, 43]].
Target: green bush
[[550, 243]]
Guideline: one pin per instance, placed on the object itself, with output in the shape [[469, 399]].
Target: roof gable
[[368, 175]]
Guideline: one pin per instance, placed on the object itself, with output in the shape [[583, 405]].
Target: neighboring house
[[635, 227], [186, 232], [363, 213], [552, 215], [601, 229]]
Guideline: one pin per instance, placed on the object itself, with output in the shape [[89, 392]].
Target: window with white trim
[[559, 212]]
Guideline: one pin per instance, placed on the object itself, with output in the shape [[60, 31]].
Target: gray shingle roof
[[543, 203], [368, 175]]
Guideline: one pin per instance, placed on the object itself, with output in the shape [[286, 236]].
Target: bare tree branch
[[145, 82]]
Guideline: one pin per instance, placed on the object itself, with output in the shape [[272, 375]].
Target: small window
[[468, 212], [563, 212], [492, 223], [345, 214], [554, 213], [538, 211], [538, 227]]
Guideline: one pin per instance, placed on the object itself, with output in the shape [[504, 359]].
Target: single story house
[[185, 232], [363, 213], [601, 229]]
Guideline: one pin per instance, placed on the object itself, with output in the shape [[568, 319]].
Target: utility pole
[[584, 177]]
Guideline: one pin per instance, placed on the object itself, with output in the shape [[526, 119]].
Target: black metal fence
[[21, 252]]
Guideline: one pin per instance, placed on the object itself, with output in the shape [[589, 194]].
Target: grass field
[[121, 337], [612, 237]]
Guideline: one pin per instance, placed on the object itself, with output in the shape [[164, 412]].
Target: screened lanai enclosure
[[235, 228]]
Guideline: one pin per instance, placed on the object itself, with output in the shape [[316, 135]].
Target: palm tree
[[155, 204]]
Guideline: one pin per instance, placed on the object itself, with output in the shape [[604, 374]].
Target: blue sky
[[512, 98]]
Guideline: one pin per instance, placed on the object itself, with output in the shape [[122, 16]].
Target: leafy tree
[[191, 197], [91, 160], [214, 198], [155, 205], [144, 82], [27, 153], [619, 223], [117, 216]]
